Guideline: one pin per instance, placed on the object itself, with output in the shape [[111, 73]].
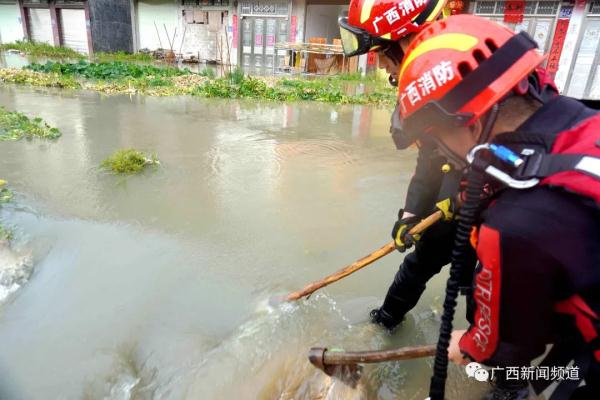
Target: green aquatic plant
[[42, 49], [5, 195], [119, 77], [27, 77], [323, 90], [107, 70], [208, 73], [5, 233], [15, 125], [236, 76], [128, 161]]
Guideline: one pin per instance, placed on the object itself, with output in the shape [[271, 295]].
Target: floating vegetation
[[323, 90], [5, 233], [107, 70], [27, 77], [129, 161], [208, 73], [15, 125], [5, 194], [42, 49], [120, 77]]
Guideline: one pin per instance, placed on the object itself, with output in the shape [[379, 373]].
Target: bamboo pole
[[363, 262]]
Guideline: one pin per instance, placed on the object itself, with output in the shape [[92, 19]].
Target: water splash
[[15, 270]]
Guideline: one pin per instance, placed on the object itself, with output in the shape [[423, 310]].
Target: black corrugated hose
[[467, 218]]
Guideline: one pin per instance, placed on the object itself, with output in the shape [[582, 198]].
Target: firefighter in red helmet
[[388, 27], [531, 209]]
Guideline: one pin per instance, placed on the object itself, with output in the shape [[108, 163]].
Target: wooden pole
[[321, 356], [158, 34], [168, 37], [363, 262]]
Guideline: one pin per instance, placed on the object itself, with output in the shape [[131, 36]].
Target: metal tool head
[[349, 374]]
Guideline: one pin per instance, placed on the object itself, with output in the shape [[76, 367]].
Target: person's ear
[[475, 129]]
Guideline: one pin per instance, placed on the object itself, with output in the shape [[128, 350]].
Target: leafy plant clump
[[27, 77], [5, 233], [5, 194], [207, 73], [128, 161], [42, 49], [107, 70], [15, 125]]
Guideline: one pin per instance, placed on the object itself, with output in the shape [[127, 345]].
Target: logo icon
[[476, 370]]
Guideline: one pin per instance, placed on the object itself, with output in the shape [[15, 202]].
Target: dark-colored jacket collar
[[559, 114]]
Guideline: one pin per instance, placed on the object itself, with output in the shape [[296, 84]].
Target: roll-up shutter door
[[73, 33], [40, 25]]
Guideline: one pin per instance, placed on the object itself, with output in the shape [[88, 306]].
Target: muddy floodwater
[[157, 286]]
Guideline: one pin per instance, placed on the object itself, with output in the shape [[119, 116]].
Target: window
[[205, 3], [547, 7], [485, 7], [595, 7], [531, 7]]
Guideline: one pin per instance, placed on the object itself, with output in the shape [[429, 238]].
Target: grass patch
[[59, 52], [42, 49], [128, 161], [15, 125], [122, 56]]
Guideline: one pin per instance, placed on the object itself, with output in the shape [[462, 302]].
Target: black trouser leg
[[431, 253]]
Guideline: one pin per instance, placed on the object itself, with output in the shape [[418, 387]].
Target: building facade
[[244, 32], [85, 26], [568, 31]]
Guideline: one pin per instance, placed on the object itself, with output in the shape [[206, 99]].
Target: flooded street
[[157, 286]]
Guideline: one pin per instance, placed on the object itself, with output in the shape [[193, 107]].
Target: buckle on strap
[[508, 157], [542, 165]]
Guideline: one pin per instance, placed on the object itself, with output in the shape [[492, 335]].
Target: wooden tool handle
[[363, 262], [332, 357]]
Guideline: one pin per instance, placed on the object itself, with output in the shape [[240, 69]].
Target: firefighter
[[388, 27], [464, 84]]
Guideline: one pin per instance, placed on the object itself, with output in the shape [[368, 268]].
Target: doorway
[[259, 35]]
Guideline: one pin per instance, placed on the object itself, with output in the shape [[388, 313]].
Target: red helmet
[[458, 68], [372, 22]]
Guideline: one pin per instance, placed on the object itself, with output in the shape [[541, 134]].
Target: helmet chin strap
[[459, 161]]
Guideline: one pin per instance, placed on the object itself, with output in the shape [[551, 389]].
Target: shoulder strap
[[541, 166]]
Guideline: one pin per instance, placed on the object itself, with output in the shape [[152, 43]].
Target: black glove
[[402, 238]]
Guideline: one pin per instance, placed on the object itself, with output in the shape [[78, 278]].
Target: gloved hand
[[402, 238], [447, 207]]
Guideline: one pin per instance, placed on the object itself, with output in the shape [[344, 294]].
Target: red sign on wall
[[513, 12], [235, 32], [560, 33], [371, 57], [293, 28]]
